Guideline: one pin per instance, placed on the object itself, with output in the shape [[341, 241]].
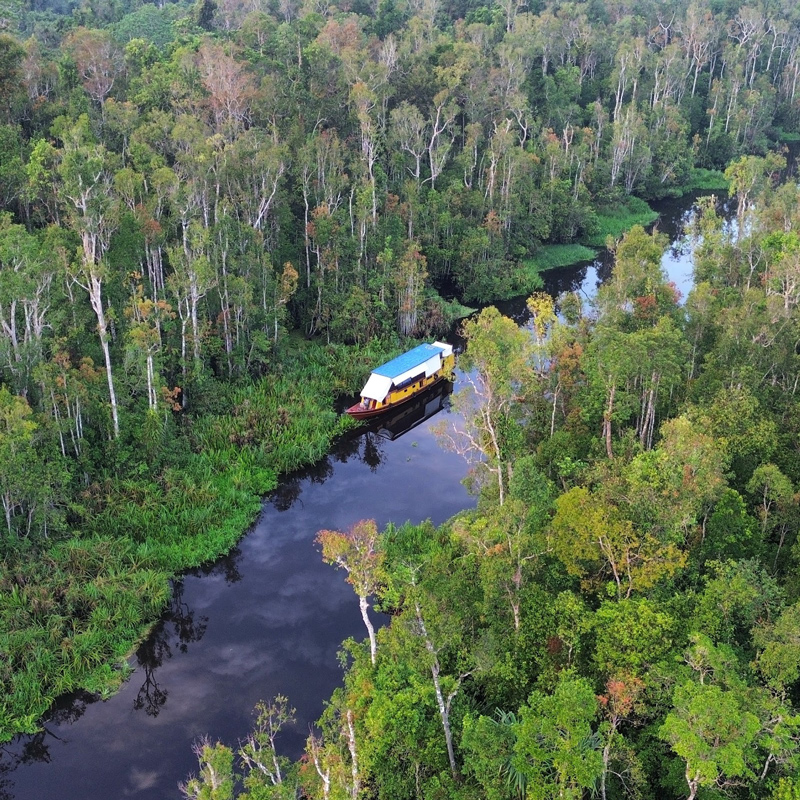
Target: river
[[268, 618]]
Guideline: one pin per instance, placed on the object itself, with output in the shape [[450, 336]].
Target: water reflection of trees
[[373, 456], [366, 444], [151, 655], [565, 279], [362, 445], [35, 748], [177, 627], [227, 566]]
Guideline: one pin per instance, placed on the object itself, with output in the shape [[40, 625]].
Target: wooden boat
[[403, 378]]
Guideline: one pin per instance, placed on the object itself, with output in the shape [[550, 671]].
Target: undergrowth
[[72, 609], [552, 256], [614, 220]]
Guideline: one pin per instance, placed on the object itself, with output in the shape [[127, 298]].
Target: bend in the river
[[268, 618]]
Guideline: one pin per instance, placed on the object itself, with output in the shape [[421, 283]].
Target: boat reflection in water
[[392, 425], [364, 443]]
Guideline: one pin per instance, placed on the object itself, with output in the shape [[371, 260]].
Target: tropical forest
[[217, 217]]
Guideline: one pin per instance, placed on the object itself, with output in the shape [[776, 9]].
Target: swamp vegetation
[[216, 217], [619, 615]]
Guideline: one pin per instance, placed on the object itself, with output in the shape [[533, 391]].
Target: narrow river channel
[[269, 618]]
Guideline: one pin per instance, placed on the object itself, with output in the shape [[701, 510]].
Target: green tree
[[730, 533], [358, 553], [632, 637], [11, 56], [497, 365], [595, 542], [508, 548], [27, 271], [17, 454], [777, 504], [12, 169], [215, 781], [488, 745], [557, 747], [671, 490], [637, 269], [259, 752], [737, 420], [86, 175], [737, 594], [713, 731], [747, 176], [778, 643]]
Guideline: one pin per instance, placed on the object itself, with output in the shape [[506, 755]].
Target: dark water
[[267, 619], [270, 617]]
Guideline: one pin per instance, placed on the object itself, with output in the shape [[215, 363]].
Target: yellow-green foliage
[[622, 216], [551, 256]]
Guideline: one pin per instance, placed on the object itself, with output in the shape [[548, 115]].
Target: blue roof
[[415, 357]]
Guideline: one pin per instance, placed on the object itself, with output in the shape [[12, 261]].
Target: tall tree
[[357, 552], [86, 171], [497, 365]]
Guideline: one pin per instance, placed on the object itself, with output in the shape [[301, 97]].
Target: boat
[[404, 378]]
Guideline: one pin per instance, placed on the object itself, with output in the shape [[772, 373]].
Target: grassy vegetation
[[71, 610], [551, 256], [525, 280], [453, 310], [615, 219], [710, 180], [787, 137]]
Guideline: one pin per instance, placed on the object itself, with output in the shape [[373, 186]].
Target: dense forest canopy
[[619, 616], [213, 215]]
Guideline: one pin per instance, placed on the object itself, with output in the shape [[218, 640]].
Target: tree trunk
[[607, 421], [325, 775], [110, 378], [444, 711], [487, 414], [694, 784], [606, 758], [96, 298], [373, 647], [351, 744], [553, 415], [152, 397]]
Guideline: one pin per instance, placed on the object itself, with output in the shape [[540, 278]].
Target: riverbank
[[73, 608], [612, 221], [71, 612], [251, 625], [268, 618]]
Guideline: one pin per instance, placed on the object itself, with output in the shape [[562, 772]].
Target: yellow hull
[[397, 397]]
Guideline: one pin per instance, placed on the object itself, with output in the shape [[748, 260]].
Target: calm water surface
[[586, 276], [267, 619]]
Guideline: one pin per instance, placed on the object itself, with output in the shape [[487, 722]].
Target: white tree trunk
[[373, 646], [96, 298]]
